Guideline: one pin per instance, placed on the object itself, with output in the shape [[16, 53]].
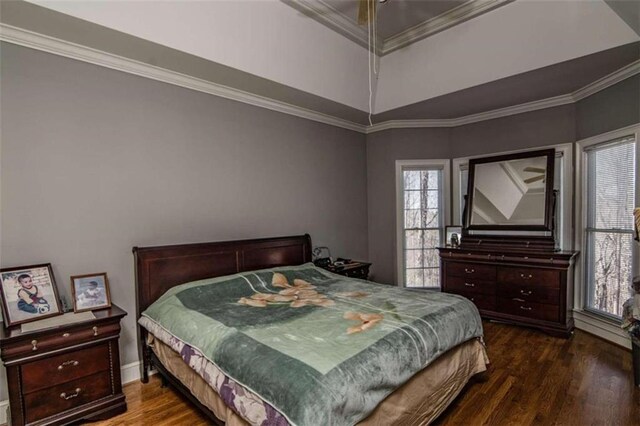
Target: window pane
[[412, 179], [422, 223], [611, 182], [414, 278], [610, 271], [413, 258], [412, 200], [432, 277], [610, 199]]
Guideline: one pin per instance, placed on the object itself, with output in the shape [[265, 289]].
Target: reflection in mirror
[[510, 192]]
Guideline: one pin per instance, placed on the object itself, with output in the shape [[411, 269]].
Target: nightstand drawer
[[49, 341], [65, 396], [63, 368]]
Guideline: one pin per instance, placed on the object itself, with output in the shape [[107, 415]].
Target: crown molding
[[338, 22], [439, 23], [332, 18], [19, 36], [473, 118], [607, 81], [67, 49]]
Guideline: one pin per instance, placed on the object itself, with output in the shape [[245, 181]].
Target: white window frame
[[401, 165], [566, 215], [600, 325]]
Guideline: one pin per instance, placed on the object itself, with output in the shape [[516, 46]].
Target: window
[[422, 189], [610, 198]]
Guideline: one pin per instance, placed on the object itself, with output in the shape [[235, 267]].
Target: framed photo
[[450, 231], [28, 293], [90, 292]]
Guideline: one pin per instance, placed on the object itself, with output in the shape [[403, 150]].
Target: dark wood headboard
[[161, 267]]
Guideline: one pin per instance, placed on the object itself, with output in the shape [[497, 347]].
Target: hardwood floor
[[533, 379]]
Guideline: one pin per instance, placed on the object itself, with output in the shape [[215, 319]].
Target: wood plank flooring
[[533, 379]]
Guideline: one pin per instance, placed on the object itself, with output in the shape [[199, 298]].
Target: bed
[[252, 333]]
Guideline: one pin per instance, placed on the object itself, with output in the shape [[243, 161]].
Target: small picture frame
[[28, 293], [453, 234], [90, 292]]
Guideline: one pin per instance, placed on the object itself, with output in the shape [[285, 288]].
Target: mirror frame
[[548, 196]]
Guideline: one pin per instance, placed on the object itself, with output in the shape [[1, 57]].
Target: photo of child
[[90, 292], [28, 293]]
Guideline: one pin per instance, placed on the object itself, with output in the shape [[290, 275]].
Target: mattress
[[418, 402], [302, 346]]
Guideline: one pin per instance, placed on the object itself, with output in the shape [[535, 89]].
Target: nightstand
[[66, 373], [354, 269]]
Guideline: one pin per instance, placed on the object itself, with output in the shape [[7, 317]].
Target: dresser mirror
[[511, 193]]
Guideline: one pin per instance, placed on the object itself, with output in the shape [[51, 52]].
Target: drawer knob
[[95, 331], [71, 362], [63, 395], [526, 277], [66, 335], [34, 344], [473, 299], [469, 284], [526, 293], [469, 271], [525, 308]]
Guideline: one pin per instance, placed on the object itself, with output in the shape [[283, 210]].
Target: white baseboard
[[4, 411], [128, 372], [603, 329]]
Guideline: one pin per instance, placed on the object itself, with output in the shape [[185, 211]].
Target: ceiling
[[266, 53], [396, 16]]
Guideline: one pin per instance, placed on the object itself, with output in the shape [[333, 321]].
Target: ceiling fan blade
[[366, 11], [534, 179], [534, 169]]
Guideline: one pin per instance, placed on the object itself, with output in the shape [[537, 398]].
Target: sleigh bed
[[252, 333]]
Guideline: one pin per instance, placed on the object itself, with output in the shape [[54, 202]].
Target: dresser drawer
[[530, 293], [482, 301], [529, 276], [59, 369], [528, 309], [476, 271], [470, 285], [56, 399], [54, 340]]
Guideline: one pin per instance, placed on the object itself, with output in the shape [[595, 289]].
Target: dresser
[[66, 373], [533, 288]]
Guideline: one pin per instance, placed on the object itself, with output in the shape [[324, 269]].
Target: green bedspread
[[320, 348]]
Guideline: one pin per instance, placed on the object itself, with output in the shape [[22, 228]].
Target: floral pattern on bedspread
[[245, 403]]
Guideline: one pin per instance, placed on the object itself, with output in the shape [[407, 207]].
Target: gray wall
[[538, 128], [383, 149], [616, 107], [94, 162]]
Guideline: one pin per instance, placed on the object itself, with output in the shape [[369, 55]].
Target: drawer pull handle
[[63, 395], [66, 335], [469, 271], [34, 344], [469, 284], [95, 331], [525, 308], [526, 277], [71, 362], [526, 293]]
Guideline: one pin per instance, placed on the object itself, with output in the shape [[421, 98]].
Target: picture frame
[[28, 293], [450, 231], [90, 292]]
